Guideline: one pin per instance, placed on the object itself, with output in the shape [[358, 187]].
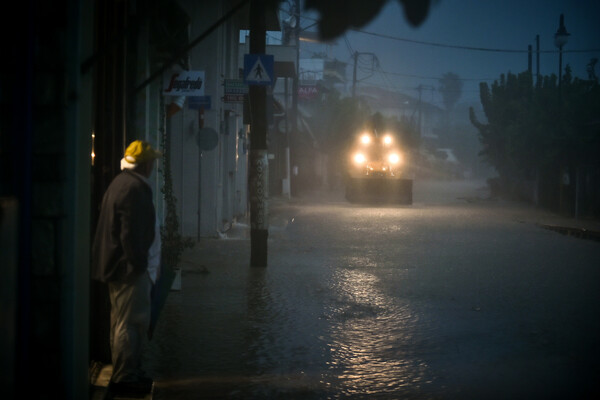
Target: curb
[[580, 233]]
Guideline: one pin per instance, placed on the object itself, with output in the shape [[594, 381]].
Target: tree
[[511, 139], [529, 135], [451, 90], [339, 119]]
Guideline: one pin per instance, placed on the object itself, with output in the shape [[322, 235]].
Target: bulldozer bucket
[[379, 190]]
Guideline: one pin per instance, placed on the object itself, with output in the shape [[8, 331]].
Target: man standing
[[123, 250]]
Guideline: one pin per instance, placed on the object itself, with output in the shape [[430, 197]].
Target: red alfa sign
[[307, 92]]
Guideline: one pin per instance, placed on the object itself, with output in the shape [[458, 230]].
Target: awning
[[271, 18]]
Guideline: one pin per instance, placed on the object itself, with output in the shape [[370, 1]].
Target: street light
[[560, 39]]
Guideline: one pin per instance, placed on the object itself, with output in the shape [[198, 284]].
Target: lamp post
[[560, 39]]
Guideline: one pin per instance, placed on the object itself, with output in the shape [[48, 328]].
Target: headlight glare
[[395, 158], [359, 158]]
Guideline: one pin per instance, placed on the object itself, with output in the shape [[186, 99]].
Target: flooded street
[[454, 297]]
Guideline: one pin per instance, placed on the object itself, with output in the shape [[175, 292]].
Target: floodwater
[[444, 299]]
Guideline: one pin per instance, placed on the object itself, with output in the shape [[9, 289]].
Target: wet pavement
[[458, 296]]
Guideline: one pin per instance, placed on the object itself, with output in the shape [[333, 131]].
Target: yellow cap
[[140, 151]]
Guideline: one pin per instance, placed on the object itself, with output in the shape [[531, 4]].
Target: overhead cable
[[381, 35]]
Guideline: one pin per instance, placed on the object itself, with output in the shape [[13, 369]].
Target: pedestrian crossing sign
[[258, 69]]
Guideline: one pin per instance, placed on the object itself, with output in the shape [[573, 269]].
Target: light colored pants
[[129, 323]]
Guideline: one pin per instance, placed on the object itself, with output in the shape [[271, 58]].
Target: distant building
[[425, 116]]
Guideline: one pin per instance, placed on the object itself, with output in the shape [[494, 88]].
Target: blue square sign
[[258, 69], [195, 102]]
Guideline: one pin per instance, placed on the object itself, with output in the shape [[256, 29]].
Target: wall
[[208, 184], [45, 134]]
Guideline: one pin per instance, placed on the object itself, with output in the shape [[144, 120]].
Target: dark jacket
[[125, 230]]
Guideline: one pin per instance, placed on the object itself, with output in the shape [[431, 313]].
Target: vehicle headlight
[[365, 138], [395, 158], [359, 158], [387, 139]]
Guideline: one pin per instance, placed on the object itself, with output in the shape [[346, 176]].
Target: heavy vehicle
[[377, 170]]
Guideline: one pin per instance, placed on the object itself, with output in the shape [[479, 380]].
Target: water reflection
[[261, 319], [283, 353], [321, 322], [371, 336]]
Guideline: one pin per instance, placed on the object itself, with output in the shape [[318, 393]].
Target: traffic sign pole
[[259, 166]]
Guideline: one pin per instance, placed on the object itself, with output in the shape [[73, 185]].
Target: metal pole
[[577, 192], [296, 77], [562, 183], [537, 58], [287, 186], [559, 78], [420, 88], [259, 166], [354, 74], [199, 195]]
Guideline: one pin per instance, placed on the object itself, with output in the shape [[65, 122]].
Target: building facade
[[82, 80]]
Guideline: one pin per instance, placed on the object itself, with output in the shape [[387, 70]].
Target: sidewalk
[[582, 227], [100, 377], [586, 229]]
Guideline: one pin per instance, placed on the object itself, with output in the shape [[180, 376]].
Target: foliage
[[173, 243], [404, 128], [511, 127], [581, 114], [339, 119], [531, 127]]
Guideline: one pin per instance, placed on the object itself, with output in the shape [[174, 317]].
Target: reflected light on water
[[371, 338]]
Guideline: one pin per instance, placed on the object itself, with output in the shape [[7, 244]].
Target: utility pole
[[560, 39], [354, 74], [529, 56], [420, 89], [295, 85], [537, 59], [258, 176], [356, 56], [295, 81]]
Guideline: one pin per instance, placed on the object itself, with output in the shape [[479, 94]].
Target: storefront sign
[[184, 83], [307, 92], [195, 102], [234, 91]]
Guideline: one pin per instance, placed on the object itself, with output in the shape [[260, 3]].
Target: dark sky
[[487, 24]]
